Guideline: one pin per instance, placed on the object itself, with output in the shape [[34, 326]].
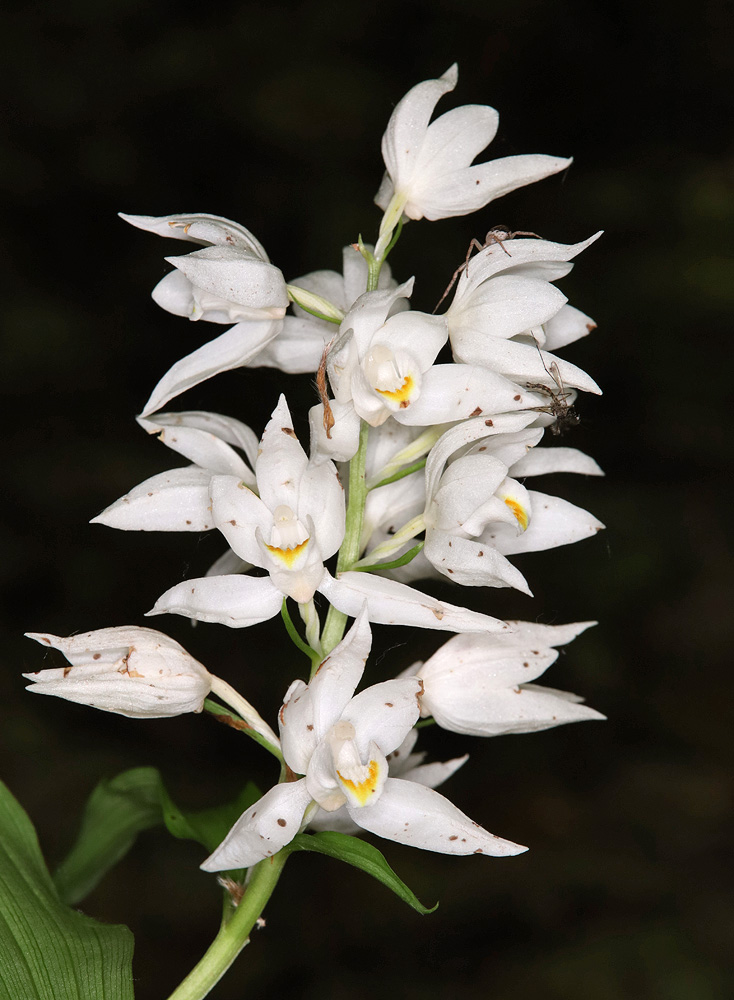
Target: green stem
[[234, 934], [350, 548], [293, 632]]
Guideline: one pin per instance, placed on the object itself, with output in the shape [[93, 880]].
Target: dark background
[[272, 114]]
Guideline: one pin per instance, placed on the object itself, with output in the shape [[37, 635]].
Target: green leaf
[[49, 951], [116, 812], [119, 809], [208, 827], [361, 855]]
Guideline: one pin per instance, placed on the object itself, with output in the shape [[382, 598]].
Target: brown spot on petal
[[187, 521], [404, 403], [454, 836], [233, 523], [282, 822], [309, 727], [388, 704], [489, 423], [438, 613], [97, 656], [475, 413], [288, 430], [517, 398], [449, 570], [479, 851], [66, 671], [526, 664], [480, 553], [591, 326]]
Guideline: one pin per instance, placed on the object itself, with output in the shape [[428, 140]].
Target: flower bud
[[137, 672]]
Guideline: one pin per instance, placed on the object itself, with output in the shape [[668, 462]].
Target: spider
[[499, 235]]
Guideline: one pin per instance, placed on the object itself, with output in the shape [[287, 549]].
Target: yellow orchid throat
[[520, 513], [363, 790], [288, 556], [401, 395]]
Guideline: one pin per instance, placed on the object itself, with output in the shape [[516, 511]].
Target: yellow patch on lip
[[519, 512], [288, 556], [401, 395], [364, 789]]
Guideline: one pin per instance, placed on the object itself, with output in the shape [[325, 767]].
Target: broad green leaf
[[119, 809], [49, 951], [209, 826], [115, 813], [362, 855]]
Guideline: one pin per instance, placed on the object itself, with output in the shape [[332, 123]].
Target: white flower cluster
[[441, 419]]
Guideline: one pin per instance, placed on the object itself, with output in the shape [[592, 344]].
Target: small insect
[[497, 234], [566, 416]]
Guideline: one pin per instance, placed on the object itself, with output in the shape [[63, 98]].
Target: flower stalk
[[234, 933]]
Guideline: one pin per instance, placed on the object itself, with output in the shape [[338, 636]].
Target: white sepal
[[266, 827], [412, 814]]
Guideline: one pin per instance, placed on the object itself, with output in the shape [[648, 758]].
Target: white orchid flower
[[382, 365], [299, 346], [503, 310], [231, 280], [296, 523], [478, 684], [473, 510], [131, 671], [477, 514], [428, 166], [340, 742]]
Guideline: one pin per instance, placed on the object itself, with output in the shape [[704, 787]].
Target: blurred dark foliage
[[271, 114]]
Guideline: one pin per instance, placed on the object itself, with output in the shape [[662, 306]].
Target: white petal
[[177, 500], [417, 333], [229, 562], [455, 392], [452, 142], [541, 461], [405, 133], [465, 433], [321, 496], [201, 447], [384, 713], [433, 775], [392, 603], [412, 814], [298, 347], [525, 363], [470, 189], [471, 563], [339, 674], [567, 326], [237, 276], [504, 307], [261, 831], [281, 462], [198, 228], [341, 441], [232, 349], [495, 712], [238, 513], [518, 256], [236, 601], [553, 522]]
